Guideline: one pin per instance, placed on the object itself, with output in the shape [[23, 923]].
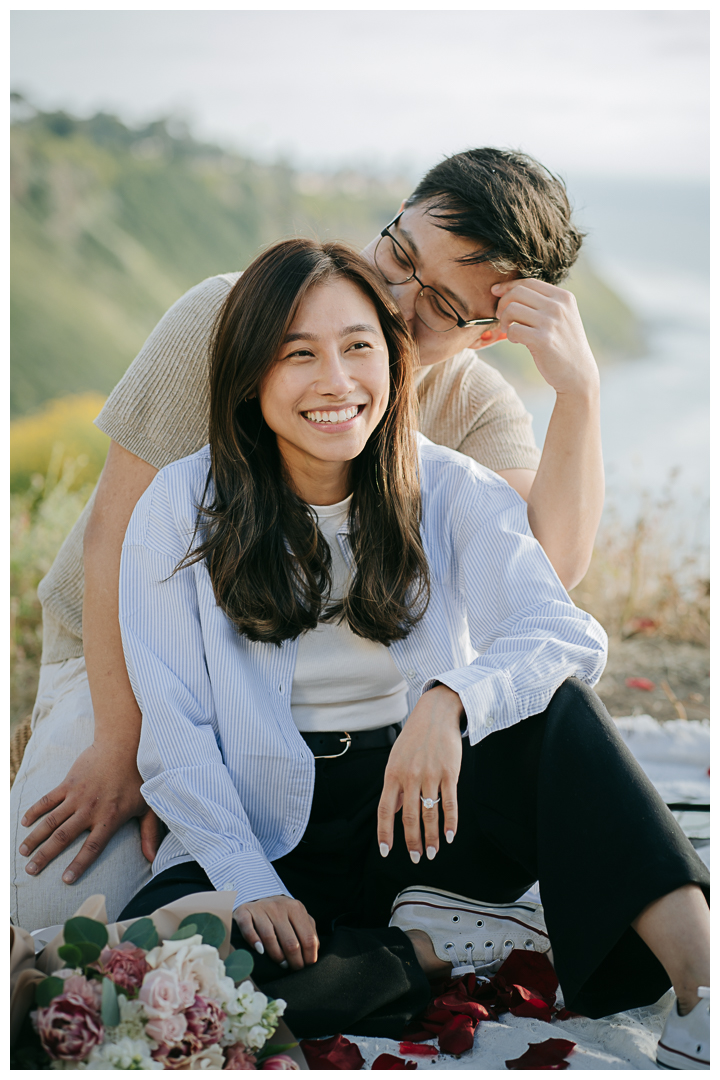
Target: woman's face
[[328, 389]]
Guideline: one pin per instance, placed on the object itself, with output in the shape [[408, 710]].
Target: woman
[[288, 595]]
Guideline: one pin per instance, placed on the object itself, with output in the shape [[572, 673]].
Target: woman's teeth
[[333, 417]]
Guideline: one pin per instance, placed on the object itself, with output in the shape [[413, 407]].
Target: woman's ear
[[489, 336]]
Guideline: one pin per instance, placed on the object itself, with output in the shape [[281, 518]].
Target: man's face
[[435, 253]]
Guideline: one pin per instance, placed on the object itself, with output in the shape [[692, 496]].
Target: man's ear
[[488, 336]]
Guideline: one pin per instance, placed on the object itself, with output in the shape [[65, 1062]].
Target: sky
[[601, 93]]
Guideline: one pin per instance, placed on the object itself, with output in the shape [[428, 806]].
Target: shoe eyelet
[[509, 944], [479, 923], [489, 945], [469, 944], [456, 918], [448, 945], [529, 944]]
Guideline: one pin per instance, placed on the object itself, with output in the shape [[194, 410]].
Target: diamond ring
[[429, 803]]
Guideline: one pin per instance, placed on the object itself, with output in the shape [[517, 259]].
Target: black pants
[[556, 798]]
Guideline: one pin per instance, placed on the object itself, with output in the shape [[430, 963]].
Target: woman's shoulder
[[168, 509], [451, 482]]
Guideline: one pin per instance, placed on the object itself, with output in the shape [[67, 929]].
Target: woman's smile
[[332, 420]]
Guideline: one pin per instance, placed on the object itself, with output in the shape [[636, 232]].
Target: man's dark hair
[[516, 211]]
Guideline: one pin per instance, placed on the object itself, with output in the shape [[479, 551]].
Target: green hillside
[[110, 225]]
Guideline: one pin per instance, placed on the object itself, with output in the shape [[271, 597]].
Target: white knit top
[[344, 682]]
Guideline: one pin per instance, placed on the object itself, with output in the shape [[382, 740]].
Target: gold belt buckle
[[347, 740]]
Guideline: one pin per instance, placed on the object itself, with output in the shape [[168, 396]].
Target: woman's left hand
[[424, 763]]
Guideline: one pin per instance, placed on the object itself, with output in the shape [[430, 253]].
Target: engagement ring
[[429, 803]]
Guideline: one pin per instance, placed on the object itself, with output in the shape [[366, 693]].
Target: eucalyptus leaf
[[48, 989], [82, 929], [143, 934], [71, 955], [239, 965], [89, 952], [183, 932], [209, 926], [109, 1008]]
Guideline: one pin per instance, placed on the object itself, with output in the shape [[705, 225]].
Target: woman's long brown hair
[[269, 563]]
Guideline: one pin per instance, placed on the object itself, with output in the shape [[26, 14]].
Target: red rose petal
[[530, 969], [335, 1053], [458, 1035], [549, 1054], [411, 1049], [455, 1004], [389, 1061], [531, 1005], [640, 683]]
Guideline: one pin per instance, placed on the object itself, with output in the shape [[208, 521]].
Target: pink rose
[[205, 1020], [237, 1057], [279, 1061], [160, 994], [179, 1055], [125, 965], [168, 1030], [187, 993], [68, 1028], [90, 990]]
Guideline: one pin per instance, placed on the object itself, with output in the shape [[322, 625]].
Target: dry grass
[[638, 585]]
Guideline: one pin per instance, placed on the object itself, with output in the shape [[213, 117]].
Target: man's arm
[[102, 790], [565, 497]]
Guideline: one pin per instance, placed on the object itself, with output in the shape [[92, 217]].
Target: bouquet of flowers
[[148, 1003]]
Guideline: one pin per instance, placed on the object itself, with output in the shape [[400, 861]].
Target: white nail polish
[[384, 850], [415, 856], [431, 853], [259, 947], [284, 964], [449, 836]]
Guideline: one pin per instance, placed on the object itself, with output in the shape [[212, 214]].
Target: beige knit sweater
[[159, 411]]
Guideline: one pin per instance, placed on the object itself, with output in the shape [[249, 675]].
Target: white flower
[[211, 1057], [256, 1037], [68, 1065], [125, 1054], [194, 962], [132, 1022]]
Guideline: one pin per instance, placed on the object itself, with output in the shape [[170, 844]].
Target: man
[[474, 255]]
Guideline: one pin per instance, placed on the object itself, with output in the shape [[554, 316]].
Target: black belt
[[333, 744]]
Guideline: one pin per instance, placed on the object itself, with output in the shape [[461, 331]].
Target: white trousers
[[63, 726]]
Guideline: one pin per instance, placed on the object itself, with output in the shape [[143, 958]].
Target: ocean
[[650, 242]]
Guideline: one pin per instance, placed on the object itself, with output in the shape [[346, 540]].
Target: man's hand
[[424, 762], [546, 319], [100, 793], [283, 928]]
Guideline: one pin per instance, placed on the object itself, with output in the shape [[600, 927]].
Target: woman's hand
[[424, 763], [100, 793], [283, 927]]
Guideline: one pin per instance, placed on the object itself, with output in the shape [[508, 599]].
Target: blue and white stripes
[[223, 763]]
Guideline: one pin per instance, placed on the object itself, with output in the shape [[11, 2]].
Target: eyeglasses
[[431, 308]]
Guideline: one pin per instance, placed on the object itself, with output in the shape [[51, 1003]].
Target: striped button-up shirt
[[223, 764]]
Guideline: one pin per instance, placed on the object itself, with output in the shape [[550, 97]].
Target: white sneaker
[[685, 1041], [471, 935]]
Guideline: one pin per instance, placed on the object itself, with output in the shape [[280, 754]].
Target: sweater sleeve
[[159, 409], [185, 779]]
